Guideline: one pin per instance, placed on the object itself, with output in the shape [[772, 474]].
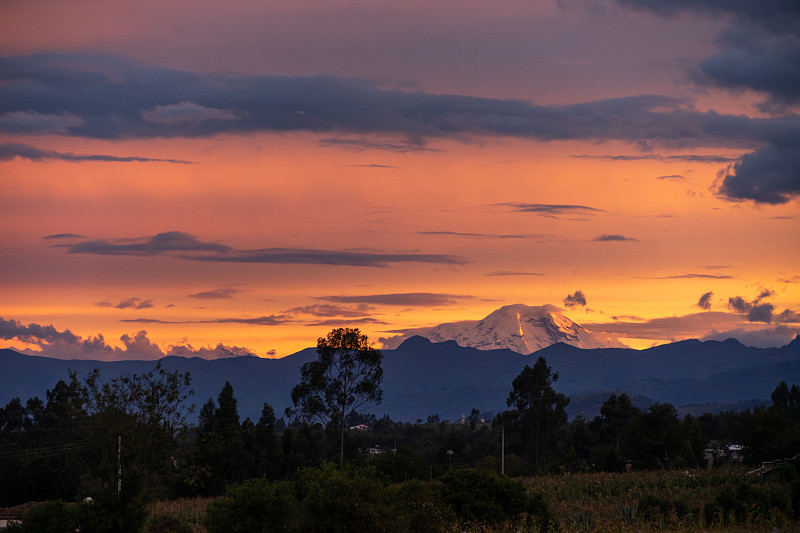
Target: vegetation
[[127, 446], [346, 375]]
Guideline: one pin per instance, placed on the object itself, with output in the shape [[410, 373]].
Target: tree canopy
[[346, 375]]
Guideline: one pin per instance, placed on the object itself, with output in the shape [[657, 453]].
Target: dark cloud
[[134, 303], [760, 338], [62, 236], [346, 322], [64, 344], [513, 273], [573, 300], [186, 246], [169, 241], [705, 301], [327, 310], [485, 235], [695, 276], [685, 158], [9, 151], [116, 98], [672, 328], [614, 238], [218, 352], [671, 177], [551, 210], [758, 310], [374, 165], [34, 333], [216, 294], [761, 48], [359, 145], [410, 299], [770, 175]]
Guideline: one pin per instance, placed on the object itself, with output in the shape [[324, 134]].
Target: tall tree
[[538, 410], [346, 375]]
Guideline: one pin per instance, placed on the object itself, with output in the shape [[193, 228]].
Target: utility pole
[[119, 465], [503, 448]]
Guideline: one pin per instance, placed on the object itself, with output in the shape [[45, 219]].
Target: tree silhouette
[[538, 409], [346, 375]]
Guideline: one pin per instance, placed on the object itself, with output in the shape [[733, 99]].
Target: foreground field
[[719, 500]]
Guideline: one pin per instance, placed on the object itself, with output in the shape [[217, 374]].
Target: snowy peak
[[521, 328]]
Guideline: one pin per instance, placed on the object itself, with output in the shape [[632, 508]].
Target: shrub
[[256, 505], [478, 495]]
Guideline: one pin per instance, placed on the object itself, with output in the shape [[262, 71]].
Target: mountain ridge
[[519, 327], [423, 378]]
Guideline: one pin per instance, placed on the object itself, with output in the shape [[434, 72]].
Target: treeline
[[127, 441]]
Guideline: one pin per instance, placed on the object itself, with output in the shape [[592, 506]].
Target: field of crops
[[695, 500], [718, 500]]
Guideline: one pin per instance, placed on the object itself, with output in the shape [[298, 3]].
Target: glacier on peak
[[518, 327]]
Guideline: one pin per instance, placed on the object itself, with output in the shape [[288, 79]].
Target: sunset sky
[[222, 178]]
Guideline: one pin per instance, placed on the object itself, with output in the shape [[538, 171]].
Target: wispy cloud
[[216, 294], [9, 151], [614, 238], [188, 247], [681, 158], [485, 235], [513, 273], [409, 299], [550, 210]]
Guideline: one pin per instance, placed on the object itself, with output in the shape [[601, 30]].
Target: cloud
[[761, 47], [218, 352], [169, 241], [410, 299], [216, 294], [130, 303], [50, 342], [59, 93], [34, 333], [671, 177], [327, 310], [359, 145], [32, 123], [770, 175], [513, 273], [705, 301], [188, 247], [760, 338], [758, 310], [346, 322], [685, 158], [693, 325], [191, 112], [573, 300], [695, 276], [551, 210], [614, 238], [62, 236], [484, 235], [9, 151], [374, 165]]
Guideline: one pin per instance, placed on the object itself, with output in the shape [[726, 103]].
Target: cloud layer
[[109, 97], [188, 247]]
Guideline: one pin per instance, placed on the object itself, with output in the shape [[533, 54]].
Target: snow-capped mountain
[[521, 328]]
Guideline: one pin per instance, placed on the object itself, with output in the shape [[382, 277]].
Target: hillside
[[423, 378]]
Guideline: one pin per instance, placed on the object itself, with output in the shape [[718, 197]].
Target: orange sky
[[450, 160]]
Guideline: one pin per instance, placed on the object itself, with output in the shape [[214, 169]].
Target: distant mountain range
[[423, 378], [521, 328]]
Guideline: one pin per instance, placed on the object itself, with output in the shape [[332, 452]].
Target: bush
[[255, 505], [478, 495], [104, 516]]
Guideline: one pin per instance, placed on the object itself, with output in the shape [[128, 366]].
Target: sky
[[218, 179]]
